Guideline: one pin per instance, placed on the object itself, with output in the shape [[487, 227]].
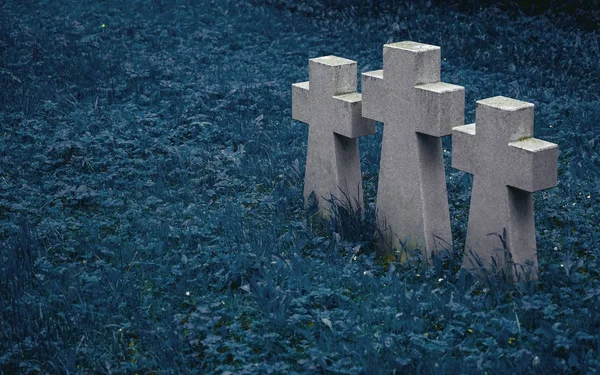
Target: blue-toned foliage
[[151, 206]]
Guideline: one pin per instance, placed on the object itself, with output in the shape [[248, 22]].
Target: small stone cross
[[508, 165], [416, 109], [329, 103]]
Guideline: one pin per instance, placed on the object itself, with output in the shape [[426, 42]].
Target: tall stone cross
[[329, 103], [416, 109], [508, 165]]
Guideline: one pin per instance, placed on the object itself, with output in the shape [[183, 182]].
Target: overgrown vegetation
[[151, 211]]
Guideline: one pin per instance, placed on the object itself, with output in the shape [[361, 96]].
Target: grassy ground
[[151, 213]]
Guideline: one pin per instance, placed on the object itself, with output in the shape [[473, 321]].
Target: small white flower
[[246, 288]]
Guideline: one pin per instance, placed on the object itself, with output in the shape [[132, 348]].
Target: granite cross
[[508, 165], [416, 109], [329, 103]]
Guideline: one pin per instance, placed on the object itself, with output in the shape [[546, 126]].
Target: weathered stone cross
[[329, 103], [508, 165], [417, 109]]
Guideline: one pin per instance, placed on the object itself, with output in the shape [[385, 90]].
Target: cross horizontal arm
[[374, 96], [463, 148], [535, 164], [350, 122], [300, 102], [442, 107]]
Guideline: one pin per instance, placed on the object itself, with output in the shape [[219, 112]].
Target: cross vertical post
[[416, 109], [508, 165], [329, 103]]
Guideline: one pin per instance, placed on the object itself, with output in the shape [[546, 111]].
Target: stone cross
[[508, 165], [329, 103], [416, 109]]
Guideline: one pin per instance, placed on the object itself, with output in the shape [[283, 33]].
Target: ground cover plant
[[151, 212]]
